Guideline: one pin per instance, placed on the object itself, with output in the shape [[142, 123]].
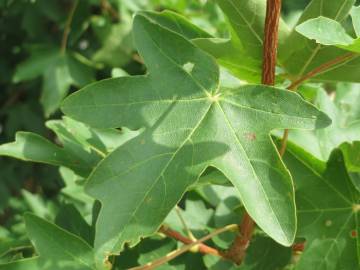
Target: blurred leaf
[[59, 72], [116, 42], [37, 204]]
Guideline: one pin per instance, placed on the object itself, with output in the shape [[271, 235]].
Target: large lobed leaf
[[191, 122]]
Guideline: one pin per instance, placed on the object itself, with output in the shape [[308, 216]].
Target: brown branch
[[67, 29], [316, 71], [183, 249], [273, 10], [237, 251], [179, 237]]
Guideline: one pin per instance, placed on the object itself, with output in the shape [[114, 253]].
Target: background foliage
[[38, 72]]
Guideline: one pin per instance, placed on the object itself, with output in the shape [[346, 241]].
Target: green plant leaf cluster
[[171, 129]]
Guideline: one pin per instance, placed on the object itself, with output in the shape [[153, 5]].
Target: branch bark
[[273, 10], [179, 237], [237, 251]]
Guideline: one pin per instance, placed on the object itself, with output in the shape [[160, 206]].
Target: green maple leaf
[[191, 123], [328, 211]]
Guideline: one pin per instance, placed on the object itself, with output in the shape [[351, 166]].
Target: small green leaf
[[58, 248], [82, 147], [59, 71], [39, 61], [32, 147], [70, 219], [329, 32], [57, 81], [325, 31]]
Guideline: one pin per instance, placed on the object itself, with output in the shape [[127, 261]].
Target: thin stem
[[237, 251], [183, 249], [67, 27], [106, 6], [183, 222], [320, 69], [202, 248], [284, 142], [316, 71]]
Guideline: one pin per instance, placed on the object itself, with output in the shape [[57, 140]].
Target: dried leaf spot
[[353, 234], [188, 67], [142, 141], [251, 136]]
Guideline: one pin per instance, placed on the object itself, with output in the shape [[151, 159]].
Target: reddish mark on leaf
[[298, 247], [354, 233], [251, 136]]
